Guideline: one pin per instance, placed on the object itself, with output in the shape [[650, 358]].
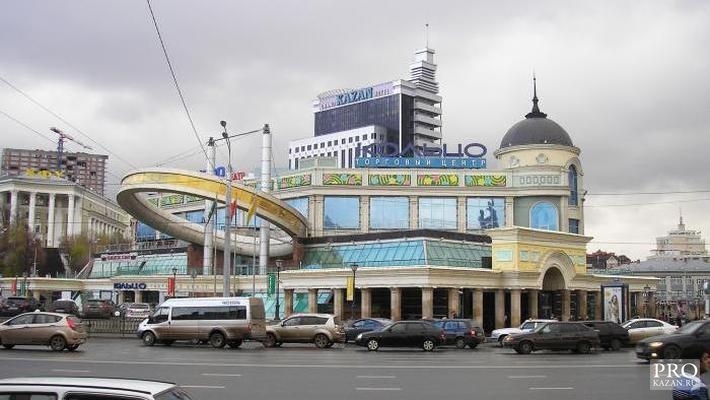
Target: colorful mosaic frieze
[[193, 199], [154, 201], [172, 199], [437, 180], [485, 180], [342, 179], [295, 181], [390, 180]]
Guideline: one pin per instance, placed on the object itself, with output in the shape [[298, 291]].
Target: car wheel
[[500, 340], [148, 338], [270, 340], [671, 351], [373, 345], [321, 341], [217, 340], [460, 343], [8, 346], [57, 343], [525, 347], [583, 347], [235, 343], [428, 344], [615, 344]]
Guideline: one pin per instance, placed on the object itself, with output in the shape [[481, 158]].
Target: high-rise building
[[680, 243], [88, 170], [405, 113]]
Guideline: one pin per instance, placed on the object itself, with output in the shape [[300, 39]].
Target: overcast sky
[[628, 80]]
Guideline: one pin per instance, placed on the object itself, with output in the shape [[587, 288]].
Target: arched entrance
[[551, 295]]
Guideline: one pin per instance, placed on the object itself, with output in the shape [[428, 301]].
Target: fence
[[116, 326]]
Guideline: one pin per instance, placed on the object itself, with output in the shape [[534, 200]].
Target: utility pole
[[209, 216]]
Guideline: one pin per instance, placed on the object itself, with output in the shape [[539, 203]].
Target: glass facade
[[437, 213], [572, 178], [389, 212], [485, 213], [341, 212], [383, 111], [544, 215], [300, 204]]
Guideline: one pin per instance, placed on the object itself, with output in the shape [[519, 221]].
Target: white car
[[641, 328], [85, 388], [528, 326]]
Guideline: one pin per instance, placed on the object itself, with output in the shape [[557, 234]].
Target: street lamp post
[[193, 274], [646, 295], [174, 282], [352, 303], [227, 266], [277, 314]]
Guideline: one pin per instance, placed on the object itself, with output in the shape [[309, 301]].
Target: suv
[[611, 335], [573, 336], [64, 306], [672, 345], [460, 332], [15, 305], [529, 325], [98, 308], [321, 329], [88, 388]]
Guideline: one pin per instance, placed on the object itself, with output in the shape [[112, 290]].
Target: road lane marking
[[526, 376], [78, 371], [376, 377], [221, 374], [383, 389], [551, 388], [202, 387]]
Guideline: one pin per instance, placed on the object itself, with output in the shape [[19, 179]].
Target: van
[[218, 320]]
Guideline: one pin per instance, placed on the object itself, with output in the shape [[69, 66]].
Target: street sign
[[271, 287]]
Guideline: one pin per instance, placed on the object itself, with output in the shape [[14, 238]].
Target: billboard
[[614, 302]]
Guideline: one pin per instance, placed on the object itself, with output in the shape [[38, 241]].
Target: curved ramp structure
[[208, 187]]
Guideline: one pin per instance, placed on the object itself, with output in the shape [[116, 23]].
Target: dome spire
[[535, 113]]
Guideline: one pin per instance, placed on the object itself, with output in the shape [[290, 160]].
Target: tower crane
[[60, 145]]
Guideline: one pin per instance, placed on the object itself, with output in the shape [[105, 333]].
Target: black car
[[15, 305], [671, 345], [64, 306], [611, 335], [460, 332], [573, 336], [403, 334], [364, 325]]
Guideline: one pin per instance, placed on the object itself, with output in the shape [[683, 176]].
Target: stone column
[[312, 300], [533, 305], [50, 220], [582, 305], [121, 297], [500, 309], [413, 212], [365, 302], [395, 304], [138, 295], [427, 302], [454, 302], [288, 302], [338, 302], [70, 215], [598, 313], [364, 214], [36, 294], [32, 211], [509, 211], [78, 216], [566, 299], [461, 210], [13, 205], [515, 307], [478, 306]]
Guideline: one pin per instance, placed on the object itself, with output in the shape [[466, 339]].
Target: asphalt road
[[302, 372]]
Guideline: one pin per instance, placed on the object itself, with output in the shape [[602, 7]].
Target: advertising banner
[[350, 289], [614, 303]]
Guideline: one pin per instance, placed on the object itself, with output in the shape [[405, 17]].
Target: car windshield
[[690, 327]]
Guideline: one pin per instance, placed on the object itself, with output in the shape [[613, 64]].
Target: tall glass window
[[573, 225], [544, 215], [437, 213], [572, 178], [341, 212], [389, 212], [485, 213], [300, 204]]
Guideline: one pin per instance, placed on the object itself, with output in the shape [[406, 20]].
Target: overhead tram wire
[[69, 124], [29, 128], [177, 85]]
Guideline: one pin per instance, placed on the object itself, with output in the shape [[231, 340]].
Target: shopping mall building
[[427, 234]]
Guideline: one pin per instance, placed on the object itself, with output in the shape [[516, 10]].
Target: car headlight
[[655, 344], [508, 339]]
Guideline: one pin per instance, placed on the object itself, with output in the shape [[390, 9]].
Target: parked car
[[641, 328], [557, 335], [64, 306], [58, 331], [671, 345], [88, 388], [98, 308], [134, 310], [323, 330], [359, 326], [15, 305], [611, 335], [460, 332], [403, 334], [498, 335]]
